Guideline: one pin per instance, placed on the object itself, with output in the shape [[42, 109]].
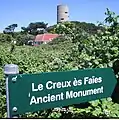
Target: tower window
[[62, 18], [66, 12]]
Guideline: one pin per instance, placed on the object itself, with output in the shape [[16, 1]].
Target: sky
[[23, 12]]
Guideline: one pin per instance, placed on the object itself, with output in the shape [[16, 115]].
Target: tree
[[10, 29], [35, 28], [22, 39], [88, 27], [113, 20]]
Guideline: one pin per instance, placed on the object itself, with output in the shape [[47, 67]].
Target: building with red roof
[[44, 38]]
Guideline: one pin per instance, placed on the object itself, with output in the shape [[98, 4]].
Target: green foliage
[[22, 39], [10, 29], [6, 38], [33, 28], [88, 27], [67, 27], [19, 38]]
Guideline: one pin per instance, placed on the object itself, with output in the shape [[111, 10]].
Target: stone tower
[[62, 13]]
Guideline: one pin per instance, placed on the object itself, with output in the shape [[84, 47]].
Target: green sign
[[33, 92]]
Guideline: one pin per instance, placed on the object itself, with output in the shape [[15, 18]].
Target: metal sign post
[[9, 69]]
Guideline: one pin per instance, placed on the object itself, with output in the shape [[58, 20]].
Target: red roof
[[46, 37]]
